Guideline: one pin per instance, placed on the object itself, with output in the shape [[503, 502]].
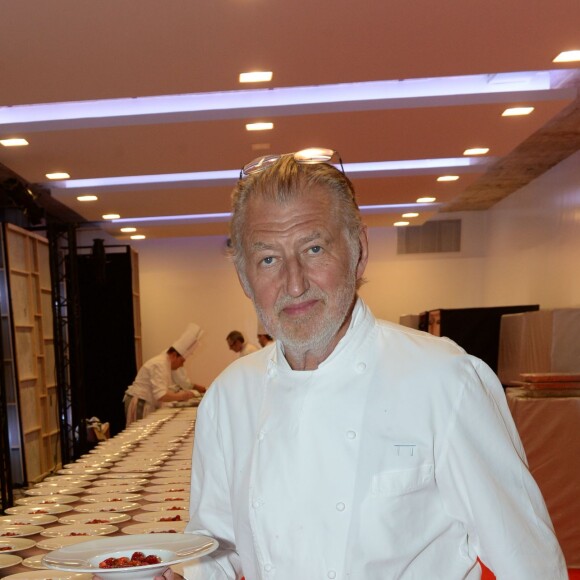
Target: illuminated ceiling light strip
[[259, 126], [468, 89], [14, 142], [227, 215], [256, 77], [230, 176], [568, 56], [517, 111]]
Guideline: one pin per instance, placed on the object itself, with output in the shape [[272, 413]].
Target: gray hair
[[284, 181]]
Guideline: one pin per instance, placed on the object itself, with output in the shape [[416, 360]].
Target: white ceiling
[[78, 50]]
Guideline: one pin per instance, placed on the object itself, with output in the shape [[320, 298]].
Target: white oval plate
[[81, 476], [107, 506], [50, 490], [34, 562], [149, 517], [112, 489], [177, 496], [50, 575], [104, 518], [135, 469], [27, 520], [168, 488], [8, 560], [166, 506], [125, 476], [177, 480], [111, 497], [62, 541], [81, 469], [80, 530], [129, 482], [8, 531], [86, 557], [15, 544], [64, 482], [173, 472], [47, 500], [155, 528], [39, 509]]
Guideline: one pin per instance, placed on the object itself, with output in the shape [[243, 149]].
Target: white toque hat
[[185, 344]]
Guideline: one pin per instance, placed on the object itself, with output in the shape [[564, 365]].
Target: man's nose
[[296, 278]]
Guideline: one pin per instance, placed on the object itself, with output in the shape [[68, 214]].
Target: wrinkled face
[[300, 270]]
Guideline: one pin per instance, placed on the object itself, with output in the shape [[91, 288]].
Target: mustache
[[311, 294]]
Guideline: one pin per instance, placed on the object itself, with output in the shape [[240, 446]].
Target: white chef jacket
[[153, 380], [396, 459], [247, 348]]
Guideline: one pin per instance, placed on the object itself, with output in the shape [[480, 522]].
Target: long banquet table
[[140, 476], [549, 427]]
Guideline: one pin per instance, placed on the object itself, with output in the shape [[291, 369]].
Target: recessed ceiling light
[[87, 198], [256, 77], [568, 56], [426, 199], [111, 216], [259, 126], [128, 230], [138, 237], [476, 151], [448, 178], [411, 214], [14, 142], [399, 224], [517, 111], [58, 175]]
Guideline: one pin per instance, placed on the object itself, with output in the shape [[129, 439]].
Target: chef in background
[[154, 384]]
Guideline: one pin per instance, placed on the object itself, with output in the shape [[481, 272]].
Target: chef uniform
[[397, 458], [154, 378]]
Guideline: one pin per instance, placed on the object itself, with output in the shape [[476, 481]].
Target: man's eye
[[268, 260], [315, 249]]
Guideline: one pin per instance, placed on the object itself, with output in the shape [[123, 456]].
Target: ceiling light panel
[[14, 142], [568, 56], [259, 126], [517, 111], [256, 77]]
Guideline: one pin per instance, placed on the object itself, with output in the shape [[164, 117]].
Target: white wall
[[524, 250]]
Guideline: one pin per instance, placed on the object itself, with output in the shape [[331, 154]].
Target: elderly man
[[354, 448]]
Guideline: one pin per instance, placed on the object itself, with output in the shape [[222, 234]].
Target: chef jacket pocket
[[402, 481]]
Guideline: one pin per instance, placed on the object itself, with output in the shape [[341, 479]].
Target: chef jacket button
[[351, 434], [261, 435], [268, 567], [340, 506], [257, 503], [271, 371], [361, 367], [331, 574]]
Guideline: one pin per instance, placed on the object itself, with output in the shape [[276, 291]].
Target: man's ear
[[364, 253]]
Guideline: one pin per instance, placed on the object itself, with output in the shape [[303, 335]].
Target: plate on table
[[133, 468], [39, 509], [8, 531], [45, 574], [80, 530], [169, 506], [175, 480], [111, 497], [80, 469], [170, 548], [8, 545], [169, 488], [27, 520], [63, 541], [81, 476], [34, 562], [155, 528], [107, 506], [125, 476], [56, 490], [114, 488], [95, 518], [47, 500], [7, 560], [176, 516], [58, 483], [120, 481], [165, 497]]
